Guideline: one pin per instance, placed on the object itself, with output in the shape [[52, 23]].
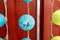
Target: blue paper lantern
[[2, 20], [26, 22], [26, 39], [27, 0], [1, 39]]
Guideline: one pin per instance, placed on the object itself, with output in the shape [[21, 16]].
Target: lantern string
[[52, 2], [5, 4], [28, 14], [28, 8]]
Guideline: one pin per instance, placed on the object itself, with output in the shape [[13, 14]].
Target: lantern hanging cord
[[5, 4], [52, 2], [28, 7], [28, 34], [28, 14]]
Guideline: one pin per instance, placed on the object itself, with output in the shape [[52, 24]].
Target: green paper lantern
[[56, 17], [56, 38]]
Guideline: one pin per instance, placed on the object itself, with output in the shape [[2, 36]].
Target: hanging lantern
[[26, 22], [56, 38], [2, 20], [27, 0], [56, 17], [26, 39], [1, 39]]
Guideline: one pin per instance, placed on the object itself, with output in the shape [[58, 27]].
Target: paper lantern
[[27, 0], [1, 39], [26, 39], [56, 17], [2, 20], [26, 22], [56, 38]]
